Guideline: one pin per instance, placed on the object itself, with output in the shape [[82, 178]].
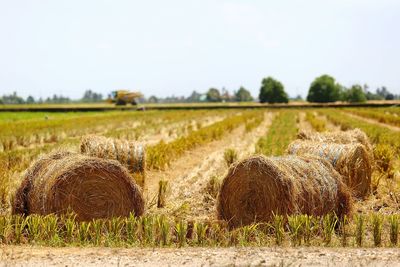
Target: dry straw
[[350, 160], [91, 187], [129, 154], [258, 187], [339, 137]]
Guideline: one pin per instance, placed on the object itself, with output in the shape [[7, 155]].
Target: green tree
[[152, 99], [243, 95], [30, 100], [213, 95], [324, 89], [90, 96], [355, 94], [272, 91], [12, 99], [194, 97]]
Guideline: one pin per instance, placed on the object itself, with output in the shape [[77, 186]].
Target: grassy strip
[[162, 154], [377, 114], [377, 134], [282, 131], [392, 110], [51, 129], [15, 160], [317, 124], [375, 230]]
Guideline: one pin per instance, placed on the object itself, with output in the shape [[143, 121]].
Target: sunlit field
[[187, 156]]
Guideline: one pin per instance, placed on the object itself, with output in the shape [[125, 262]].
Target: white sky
[[175, 47]]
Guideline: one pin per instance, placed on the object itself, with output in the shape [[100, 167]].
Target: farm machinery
[[123, 97]]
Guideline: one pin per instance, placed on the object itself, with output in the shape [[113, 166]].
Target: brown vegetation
[[350, 160], [129, 154], [340, 137], [258, 187], [90, 187]]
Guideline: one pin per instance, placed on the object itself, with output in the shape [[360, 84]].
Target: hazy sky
[[175, 47]]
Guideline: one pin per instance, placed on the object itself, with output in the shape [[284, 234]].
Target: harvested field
[[190, 153]]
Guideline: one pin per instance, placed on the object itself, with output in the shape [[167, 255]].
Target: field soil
[[310, 256], [170, 132], [188, 176]]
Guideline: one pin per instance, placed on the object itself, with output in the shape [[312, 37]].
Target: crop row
[[19, 159], [377, 114], [387, 142], [317, 124], [160, 155], [282, 131], [160, 231], [377, 134], [26, 132]]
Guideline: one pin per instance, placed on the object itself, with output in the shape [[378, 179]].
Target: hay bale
[[339, 137], [91, 187], [350, 160], [258, 187], [129, 154], [20, 205]]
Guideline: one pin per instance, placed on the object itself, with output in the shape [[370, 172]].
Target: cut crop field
[[201, 181]]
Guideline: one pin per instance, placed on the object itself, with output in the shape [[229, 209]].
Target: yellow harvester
[[123, 97]]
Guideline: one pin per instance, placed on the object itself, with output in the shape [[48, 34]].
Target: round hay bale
[[350, 160], [340, 137], [258, 187], [129, 154], [91, 187], [20, 205]]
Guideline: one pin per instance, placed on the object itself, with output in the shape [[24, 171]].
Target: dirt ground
[[188, 176], [273, 256]]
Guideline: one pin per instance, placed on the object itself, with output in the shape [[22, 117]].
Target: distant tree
[[272, 91], [243, 95], [30, 100], [372, 96], [152, 99], [12, 99], [226, 96], [90, 96], [355, 94], [213, 95], [384, 93], [342, 92], [324, 89], [194, 97], [297, 98], [389, 96], [57, 99]]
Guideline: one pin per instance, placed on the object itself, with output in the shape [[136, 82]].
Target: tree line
[[88, 97], [323, 89]]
